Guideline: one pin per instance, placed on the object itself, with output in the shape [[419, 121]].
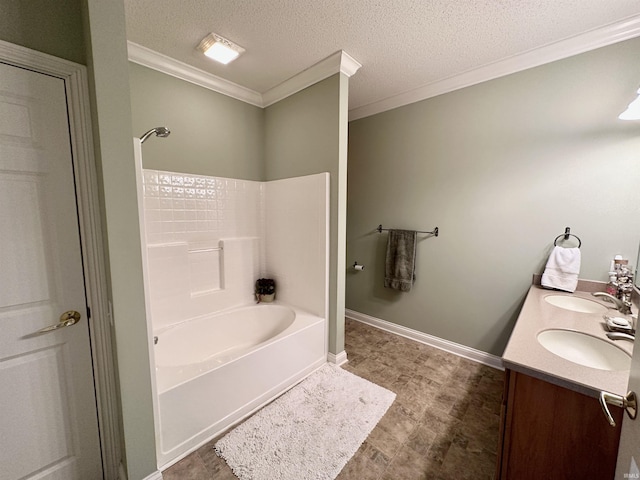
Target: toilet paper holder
[[358, 267]]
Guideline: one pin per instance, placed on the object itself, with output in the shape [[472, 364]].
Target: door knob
[[66, 320], [629, 402]]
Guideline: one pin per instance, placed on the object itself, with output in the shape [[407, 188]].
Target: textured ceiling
[[401, 44]]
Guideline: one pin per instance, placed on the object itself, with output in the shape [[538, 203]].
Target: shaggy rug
[[310, 432]]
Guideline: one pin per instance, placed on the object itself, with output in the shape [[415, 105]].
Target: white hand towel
[[562, 269]]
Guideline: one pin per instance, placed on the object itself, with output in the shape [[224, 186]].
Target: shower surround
[[206, 240]]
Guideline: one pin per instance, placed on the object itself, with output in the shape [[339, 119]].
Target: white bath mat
[[310, 432]]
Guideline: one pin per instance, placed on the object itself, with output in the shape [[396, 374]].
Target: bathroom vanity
[[552, 425]]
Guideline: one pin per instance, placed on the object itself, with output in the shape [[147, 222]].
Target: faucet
[[623, 306]]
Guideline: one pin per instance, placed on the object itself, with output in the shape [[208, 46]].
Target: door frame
[[76, 86]]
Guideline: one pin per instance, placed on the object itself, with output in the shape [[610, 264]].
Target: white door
[[48, 416], [629, 450]]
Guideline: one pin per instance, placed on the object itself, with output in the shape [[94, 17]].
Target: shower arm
[[159, 132]]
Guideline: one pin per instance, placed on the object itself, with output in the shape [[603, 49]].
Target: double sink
[[582, 348]]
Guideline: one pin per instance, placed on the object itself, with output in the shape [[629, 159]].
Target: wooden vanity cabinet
[[550, 432]]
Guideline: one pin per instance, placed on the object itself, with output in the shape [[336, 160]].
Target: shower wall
[[296, 240], [209, 238]]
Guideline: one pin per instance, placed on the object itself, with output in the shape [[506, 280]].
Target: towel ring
[[566, 235]]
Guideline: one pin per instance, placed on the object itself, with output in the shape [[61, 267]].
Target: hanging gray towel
[[399, 265]]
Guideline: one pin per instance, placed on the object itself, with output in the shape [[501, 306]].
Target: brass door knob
[[66, 320]]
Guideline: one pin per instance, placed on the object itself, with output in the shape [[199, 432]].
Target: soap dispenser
[[612, 286]]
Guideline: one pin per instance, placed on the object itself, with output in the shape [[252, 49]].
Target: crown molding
[[584, 42], [348, 65], [157, 61], [340, 61]]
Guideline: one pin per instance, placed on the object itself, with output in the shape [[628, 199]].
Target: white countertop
[[525, 355]]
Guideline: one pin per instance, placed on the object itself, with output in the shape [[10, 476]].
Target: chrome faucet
[[623, 306]]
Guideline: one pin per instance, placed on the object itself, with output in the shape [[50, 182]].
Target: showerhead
[[159, 132]]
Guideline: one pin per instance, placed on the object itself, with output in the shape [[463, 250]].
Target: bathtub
[[199, 364]]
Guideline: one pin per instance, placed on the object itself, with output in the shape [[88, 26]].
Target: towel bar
[[434, 232]]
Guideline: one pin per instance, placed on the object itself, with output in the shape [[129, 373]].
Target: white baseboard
[[122, 474], [339, 359], [440, 343], [154, 476]]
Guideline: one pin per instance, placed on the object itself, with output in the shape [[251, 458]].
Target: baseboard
[[122, 474], [440, 343], [154, 476], [339, 359]]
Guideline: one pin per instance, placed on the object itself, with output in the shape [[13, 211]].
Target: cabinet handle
[[628, 402]]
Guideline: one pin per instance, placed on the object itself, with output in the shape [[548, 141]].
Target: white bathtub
[[213, 371]]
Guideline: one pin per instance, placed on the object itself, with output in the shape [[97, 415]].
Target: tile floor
[[443, 424]]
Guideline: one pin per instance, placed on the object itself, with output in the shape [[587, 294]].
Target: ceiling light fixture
[[633, 110], [219, 48]]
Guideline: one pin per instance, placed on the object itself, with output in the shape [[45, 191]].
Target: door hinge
[[88, 312]]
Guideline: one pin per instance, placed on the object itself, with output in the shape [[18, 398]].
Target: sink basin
[[576, 304], [584, 349]]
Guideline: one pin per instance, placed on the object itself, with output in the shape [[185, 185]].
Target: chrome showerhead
[[159, 132]]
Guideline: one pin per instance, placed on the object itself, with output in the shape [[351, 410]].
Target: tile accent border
[[446, 345]]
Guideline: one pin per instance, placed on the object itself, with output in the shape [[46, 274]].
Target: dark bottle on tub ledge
[[265, 290]]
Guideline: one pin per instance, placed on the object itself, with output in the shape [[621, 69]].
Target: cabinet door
[[552, 432]]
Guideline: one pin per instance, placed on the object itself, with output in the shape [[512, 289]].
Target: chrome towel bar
[[434, 232]]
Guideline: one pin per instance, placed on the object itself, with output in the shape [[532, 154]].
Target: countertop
[[525, 355]]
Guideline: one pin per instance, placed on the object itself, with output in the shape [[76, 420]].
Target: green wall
[[305, 134], [111, 116], [53, 27], [502, 168], [211, 134]]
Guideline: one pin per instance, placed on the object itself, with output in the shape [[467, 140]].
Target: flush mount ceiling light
[[219, 48], [633, 110]]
